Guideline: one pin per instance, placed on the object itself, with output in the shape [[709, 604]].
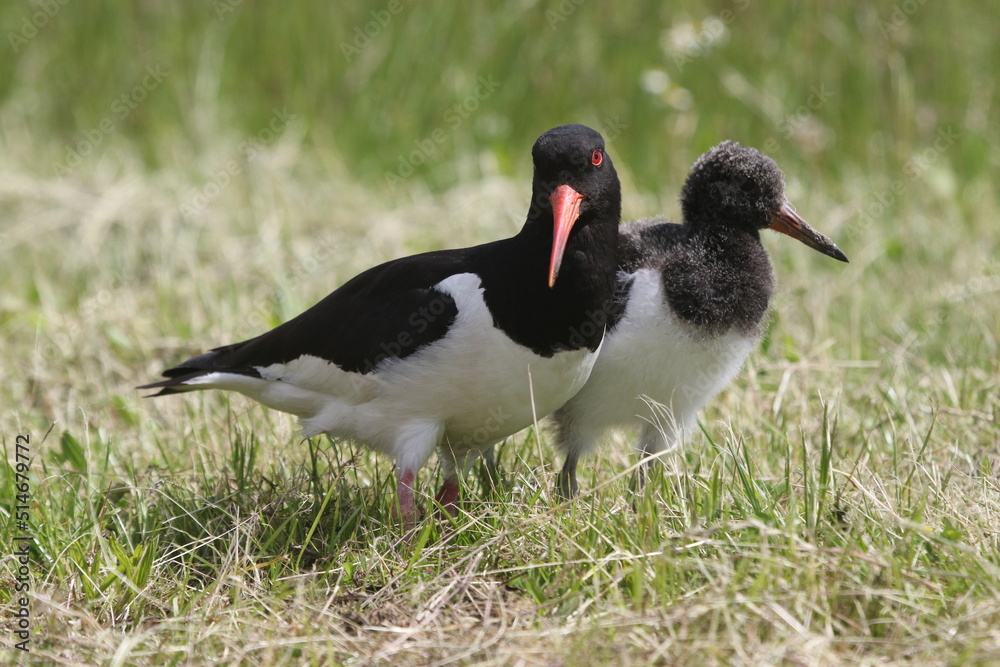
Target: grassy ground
[[175, 178]]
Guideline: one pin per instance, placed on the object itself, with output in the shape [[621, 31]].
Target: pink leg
[[447, 496], [405, 511]]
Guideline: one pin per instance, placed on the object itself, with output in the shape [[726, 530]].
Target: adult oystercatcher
[[451, 350], [692, 300]]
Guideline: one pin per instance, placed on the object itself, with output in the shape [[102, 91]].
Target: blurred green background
[[829, 88], [883, 116]]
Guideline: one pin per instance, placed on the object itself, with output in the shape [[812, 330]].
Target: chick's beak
[[787, 221]]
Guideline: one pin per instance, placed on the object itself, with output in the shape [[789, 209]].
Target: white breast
[[474, 386], [479, 383], [653, 369]]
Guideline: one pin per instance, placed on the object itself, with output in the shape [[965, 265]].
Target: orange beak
[[565, 211], [787, 221]]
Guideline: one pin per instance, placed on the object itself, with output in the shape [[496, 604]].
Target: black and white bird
[[451, 350], [692, 301]]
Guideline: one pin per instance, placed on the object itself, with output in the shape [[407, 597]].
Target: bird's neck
[[729, 282], [721, 232], [571, 314]]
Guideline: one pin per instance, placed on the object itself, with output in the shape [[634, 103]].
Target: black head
[[567, 148], [575, 185], [737, 186]]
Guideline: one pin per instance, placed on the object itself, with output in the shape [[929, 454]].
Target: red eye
[[597, 157]]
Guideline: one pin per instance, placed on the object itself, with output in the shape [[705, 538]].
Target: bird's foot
[[447, 496], [404, 511], [566, 486]]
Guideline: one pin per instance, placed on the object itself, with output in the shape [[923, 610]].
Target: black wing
[[391, 310]]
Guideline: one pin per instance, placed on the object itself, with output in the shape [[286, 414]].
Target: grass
[[840, 504]]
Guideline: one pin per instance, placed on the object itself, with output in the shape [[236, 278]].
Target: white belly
[[476, 382], [471, 388], [653, 368]]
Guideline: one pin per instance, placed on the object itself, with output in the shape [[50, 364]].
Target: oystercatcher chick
[[692, 302], [451, 350]]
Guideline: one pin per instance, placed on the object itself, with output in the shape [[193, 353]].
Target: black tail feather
[[176, 378], [203, 364]]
